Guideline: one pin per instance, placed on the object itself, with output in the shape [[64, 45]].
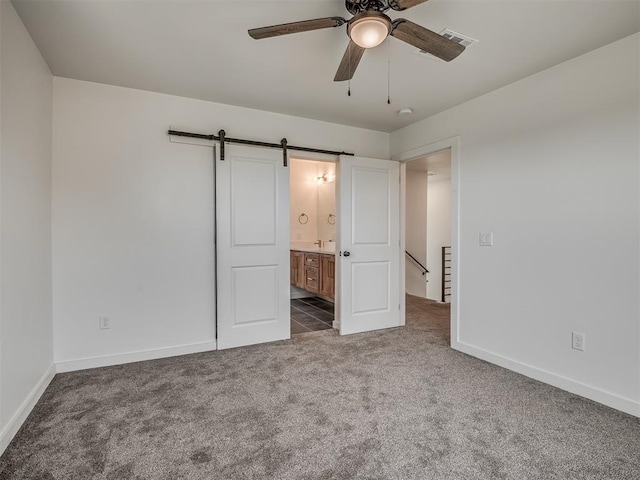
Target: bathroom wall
[[314, 198], [326, 203]]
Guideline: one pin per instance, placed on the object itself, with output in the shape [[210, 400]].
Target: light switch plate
[[105, 322], [486, 239]]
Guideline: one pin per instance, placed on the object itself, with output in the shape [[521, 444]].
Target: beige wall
[[316, 200]]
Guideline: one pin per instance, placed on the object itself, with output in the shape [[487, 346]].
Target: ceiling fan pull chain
[[349, 81], [388, 72]]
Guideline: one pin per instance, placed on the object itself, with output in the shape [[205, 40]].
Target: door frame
[[452, 144]]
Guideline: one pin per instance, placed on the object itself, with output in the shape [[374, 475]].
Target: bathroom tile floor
[[295, 292], [311, 314]]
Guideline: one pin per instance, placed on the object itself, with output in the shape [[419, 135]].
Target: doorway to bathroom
[[312, 245]]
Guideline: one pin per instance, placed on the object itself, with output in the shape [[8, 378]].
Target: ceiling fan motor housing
[[358, 6]]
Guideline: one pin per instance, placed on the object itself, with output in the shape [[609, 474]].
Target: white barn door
[[252, 246], [369, 241]]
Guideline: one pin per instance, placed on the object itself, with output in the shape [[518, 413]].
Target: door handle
[[347, 253]]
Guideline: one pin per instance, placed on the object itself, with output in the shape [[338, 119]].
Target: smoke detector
[[405, 112], [459, 38]]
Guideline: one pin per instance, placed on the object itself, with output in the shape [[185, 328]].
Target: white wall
[[550, 164], [133, 216], [26, 345], [416, 232], [438, 231]]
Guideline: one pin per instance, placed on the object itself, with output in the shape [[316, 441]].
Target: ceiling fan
[[368, 28]]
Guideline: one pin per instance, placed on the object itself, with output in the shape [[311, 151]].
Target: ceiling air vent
[[463, 40]]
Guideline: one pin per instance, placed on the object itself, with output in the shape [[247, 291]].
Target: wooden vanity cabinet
[[312, 272], [328, 276], [315, 272], [297, 269]]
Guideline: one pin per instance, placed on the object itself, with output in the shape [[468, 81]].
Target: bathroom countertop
[[314, 249]]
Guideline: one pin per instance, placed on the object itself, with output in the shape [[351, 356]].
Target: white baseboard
[[130, 357], [16, 421], [617, 402]]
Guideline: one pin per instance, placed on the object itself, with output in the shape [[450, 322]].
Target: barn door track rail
[[222, 138]]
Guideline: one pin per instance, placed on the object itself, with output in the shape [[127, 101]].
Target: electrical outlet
[[578, 341], [105, 322]]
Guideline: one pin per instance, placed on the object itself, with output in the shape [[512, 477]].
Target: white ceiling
[[201, 49]]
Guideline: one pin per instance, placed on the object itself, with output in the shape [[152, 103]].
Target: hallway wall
[[438, 231], [416, 232]]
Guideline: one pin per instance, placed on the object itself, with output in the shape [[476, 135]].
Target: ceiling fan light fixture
[[369, 30]]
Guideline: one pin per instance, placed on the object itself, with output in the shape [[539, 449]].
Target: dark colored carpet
[[395, 404]]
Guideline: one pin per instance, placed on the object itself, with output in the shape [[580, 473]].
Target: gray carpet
[[396, 404]]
